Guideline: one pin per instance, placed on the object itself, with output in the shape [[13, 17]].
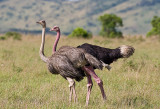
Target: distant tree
[[80, 32], [109, 24], [155, 27]]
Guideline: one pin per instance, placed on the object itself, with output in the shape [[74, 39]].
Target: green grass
[[25, 82]]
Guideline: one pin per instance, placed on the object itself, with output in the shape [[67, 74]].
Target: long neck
[[115, 54], [41, 51], [56, 42], [110, 55]]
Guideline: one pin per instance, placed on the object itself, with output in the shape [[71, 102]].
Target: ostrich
[[106, 55], [71, 63]]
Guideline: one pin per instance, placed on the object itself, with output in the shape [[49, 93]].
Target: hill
[[21, 15]]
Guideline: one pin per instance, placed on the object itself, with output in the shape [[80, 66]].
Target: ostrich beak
[[51, 29], [37, 22]]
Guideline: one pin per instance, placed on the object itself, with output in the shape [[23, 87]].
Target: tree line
[[109, 27]]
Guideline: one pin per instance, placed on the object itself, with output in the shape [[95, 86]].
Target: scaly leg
[[90, 71], [74, 93], [89, 88], [72, 89]]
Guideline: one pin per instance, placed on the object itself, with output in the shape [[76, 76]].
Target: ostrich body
[[71, 63], [106, 55]]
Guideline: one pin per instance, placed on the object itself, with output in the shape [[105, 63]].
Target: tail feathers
[[93, 61], [106, 66]]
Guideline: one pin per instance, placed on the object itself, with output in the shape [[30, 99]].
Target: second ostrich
[[70, 63], [107, 55]]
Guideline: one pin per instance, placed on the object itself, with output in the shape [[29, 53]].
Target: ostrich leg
[[72, 89], [90, 71], [89, 87]]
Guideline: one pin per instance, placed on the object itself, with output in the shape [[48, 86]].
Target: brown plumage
[[67, 61]]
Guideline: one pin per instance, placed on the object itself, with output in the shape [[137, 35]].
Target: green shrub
[[9, 34], [2, 37], [80, 32], [15, 35]]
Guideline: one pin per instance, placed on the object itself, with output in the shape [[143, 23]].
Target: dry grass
[[26, 83]]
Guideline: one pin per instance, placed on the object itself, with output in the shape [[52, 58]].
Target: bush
[[2, 37], [80, 32], [15, 35]]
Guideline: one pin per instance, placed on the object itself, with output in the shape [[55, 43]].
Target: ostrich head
[[42, 22], [126, 51], [55, 28]]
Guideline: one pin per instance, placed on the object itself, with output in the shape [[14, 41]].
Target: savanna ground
[[25, 82]]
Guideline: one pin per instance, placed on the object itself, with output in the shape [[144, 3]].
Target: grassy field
[[25, 82]]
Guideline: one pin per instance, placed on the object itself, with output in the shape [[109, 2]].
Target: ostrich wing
[[64, 67]]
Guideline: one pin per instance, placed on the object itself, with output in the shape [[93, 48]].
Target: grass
[[25, 82]]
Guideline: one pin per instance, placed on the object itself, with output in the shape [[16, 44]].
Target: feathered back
[[79, 57], [68, 61], [107, 55]]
